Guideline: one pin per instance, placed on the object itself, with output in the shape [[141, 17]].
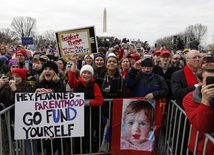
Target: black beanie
[[52, 65], [99, 55]]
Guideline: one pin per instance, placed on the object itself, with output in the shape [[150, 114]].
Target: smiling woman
[[50, 82]]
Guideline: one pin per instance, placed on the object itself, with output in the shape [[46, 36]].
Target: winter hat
[[147, 62], [165, 52], [156, 52], [92, 56], [111, 55], [99, 55], [87, 68], [134, 56], [13, 62], [21, 72], [22, 52], [52, 65]]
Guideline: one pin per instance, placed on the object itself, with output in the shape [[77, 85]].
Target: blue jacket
[[141, 84]]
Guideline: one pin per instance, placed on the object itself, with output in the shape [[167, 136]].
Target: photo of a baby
[[137, 126]]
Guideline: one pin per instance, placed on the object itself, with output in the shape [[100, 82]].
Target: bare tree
[[23, 26], [197, 31], [8, 36], [166, 41], [50, 36]]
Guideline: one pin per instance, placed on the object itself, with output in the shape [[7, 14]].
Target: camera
[[210, 80], [68, 65], [209, 59]]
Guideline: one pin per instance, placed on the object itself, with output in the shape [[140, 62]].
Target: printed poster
[[136, 125], [49, 115]]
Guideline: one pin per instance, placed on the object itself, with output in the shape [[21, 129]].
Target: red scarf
[[190, 76]]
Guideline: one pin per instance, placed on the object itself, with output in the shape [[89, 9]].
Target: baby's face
[[137, 127]]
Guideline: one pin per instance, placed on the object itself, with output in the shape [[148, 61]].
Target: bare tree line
[[26, 27]]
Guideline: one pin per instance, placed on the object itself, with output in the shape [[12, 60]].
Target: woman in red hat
[[7, 97]]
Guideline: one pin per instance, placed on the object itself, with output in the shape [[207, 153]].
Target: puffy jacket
[[141, 84]]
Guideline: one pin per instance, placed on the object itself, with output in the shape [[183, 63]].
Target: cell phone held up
[[27, 64], [210, 80]]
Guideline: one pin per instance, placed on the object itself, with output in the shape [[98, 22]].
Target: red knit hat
[[22, 52], [21, 72]]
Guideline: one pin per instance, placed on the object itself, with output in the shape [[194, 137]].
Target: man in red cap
[[165, 69], [156, 57], [133, 58]]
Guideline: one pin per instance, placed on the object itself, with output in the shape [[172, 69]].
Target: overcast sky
[[133, 19]]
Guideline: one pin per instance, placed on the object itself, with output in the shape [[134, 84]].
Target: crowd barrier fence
[[173, 139]]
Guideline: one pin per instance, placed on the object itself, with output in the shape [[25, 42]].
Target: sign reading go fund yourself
[[50, 115]]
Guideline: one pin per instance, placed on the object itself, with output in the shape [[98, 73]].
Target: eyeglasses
[[195, 57], [176, 58]]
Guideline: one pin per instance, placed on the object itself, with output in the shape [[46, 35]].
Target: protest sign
[[27, 41], [48, 115], [132, 132], [81, 41]]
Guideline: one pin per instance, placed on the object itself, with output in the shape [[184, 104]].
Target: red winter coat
[[202, 119], [74, 83]]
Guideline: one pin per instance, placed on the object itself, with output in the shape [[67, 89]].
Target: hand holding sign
[[43, 90], [74, 58]]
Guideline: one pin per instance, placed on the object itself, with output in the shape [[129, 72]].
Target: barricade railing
[[173, 138], [176, 137], [66, 145]]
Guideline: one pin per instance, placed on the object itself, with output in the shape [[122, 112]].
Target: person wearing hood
[[199, 108], [86, 83], [143, 82]]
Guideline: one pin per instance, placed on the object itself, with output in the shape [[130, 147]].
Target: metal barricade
[[173, 140], [176, 137], [6, 141], [66, 145]]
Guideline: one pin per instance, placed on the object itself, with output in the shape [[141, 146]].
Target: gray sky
[[133, 19]]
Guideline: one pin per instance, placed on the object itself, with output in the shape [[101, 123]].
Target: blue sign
[[27, 41]]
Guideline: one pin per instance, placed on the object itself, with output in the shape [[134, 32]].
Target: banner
[[135, 126], [27, 41], [81, 41], [48, 115]]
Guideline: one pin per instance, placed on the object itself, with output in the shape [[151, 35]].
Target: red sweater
[[202, 119], [73, 82]]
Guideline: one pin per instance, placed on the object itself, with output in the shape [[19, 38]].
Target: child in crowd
[[86, 83], [137, 126]]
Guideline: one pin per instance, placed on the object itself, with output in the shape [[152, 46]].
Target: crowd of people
[[114, 72]]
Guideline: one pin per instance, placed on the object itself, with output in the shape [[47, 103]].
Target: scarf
[[190, 76]]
